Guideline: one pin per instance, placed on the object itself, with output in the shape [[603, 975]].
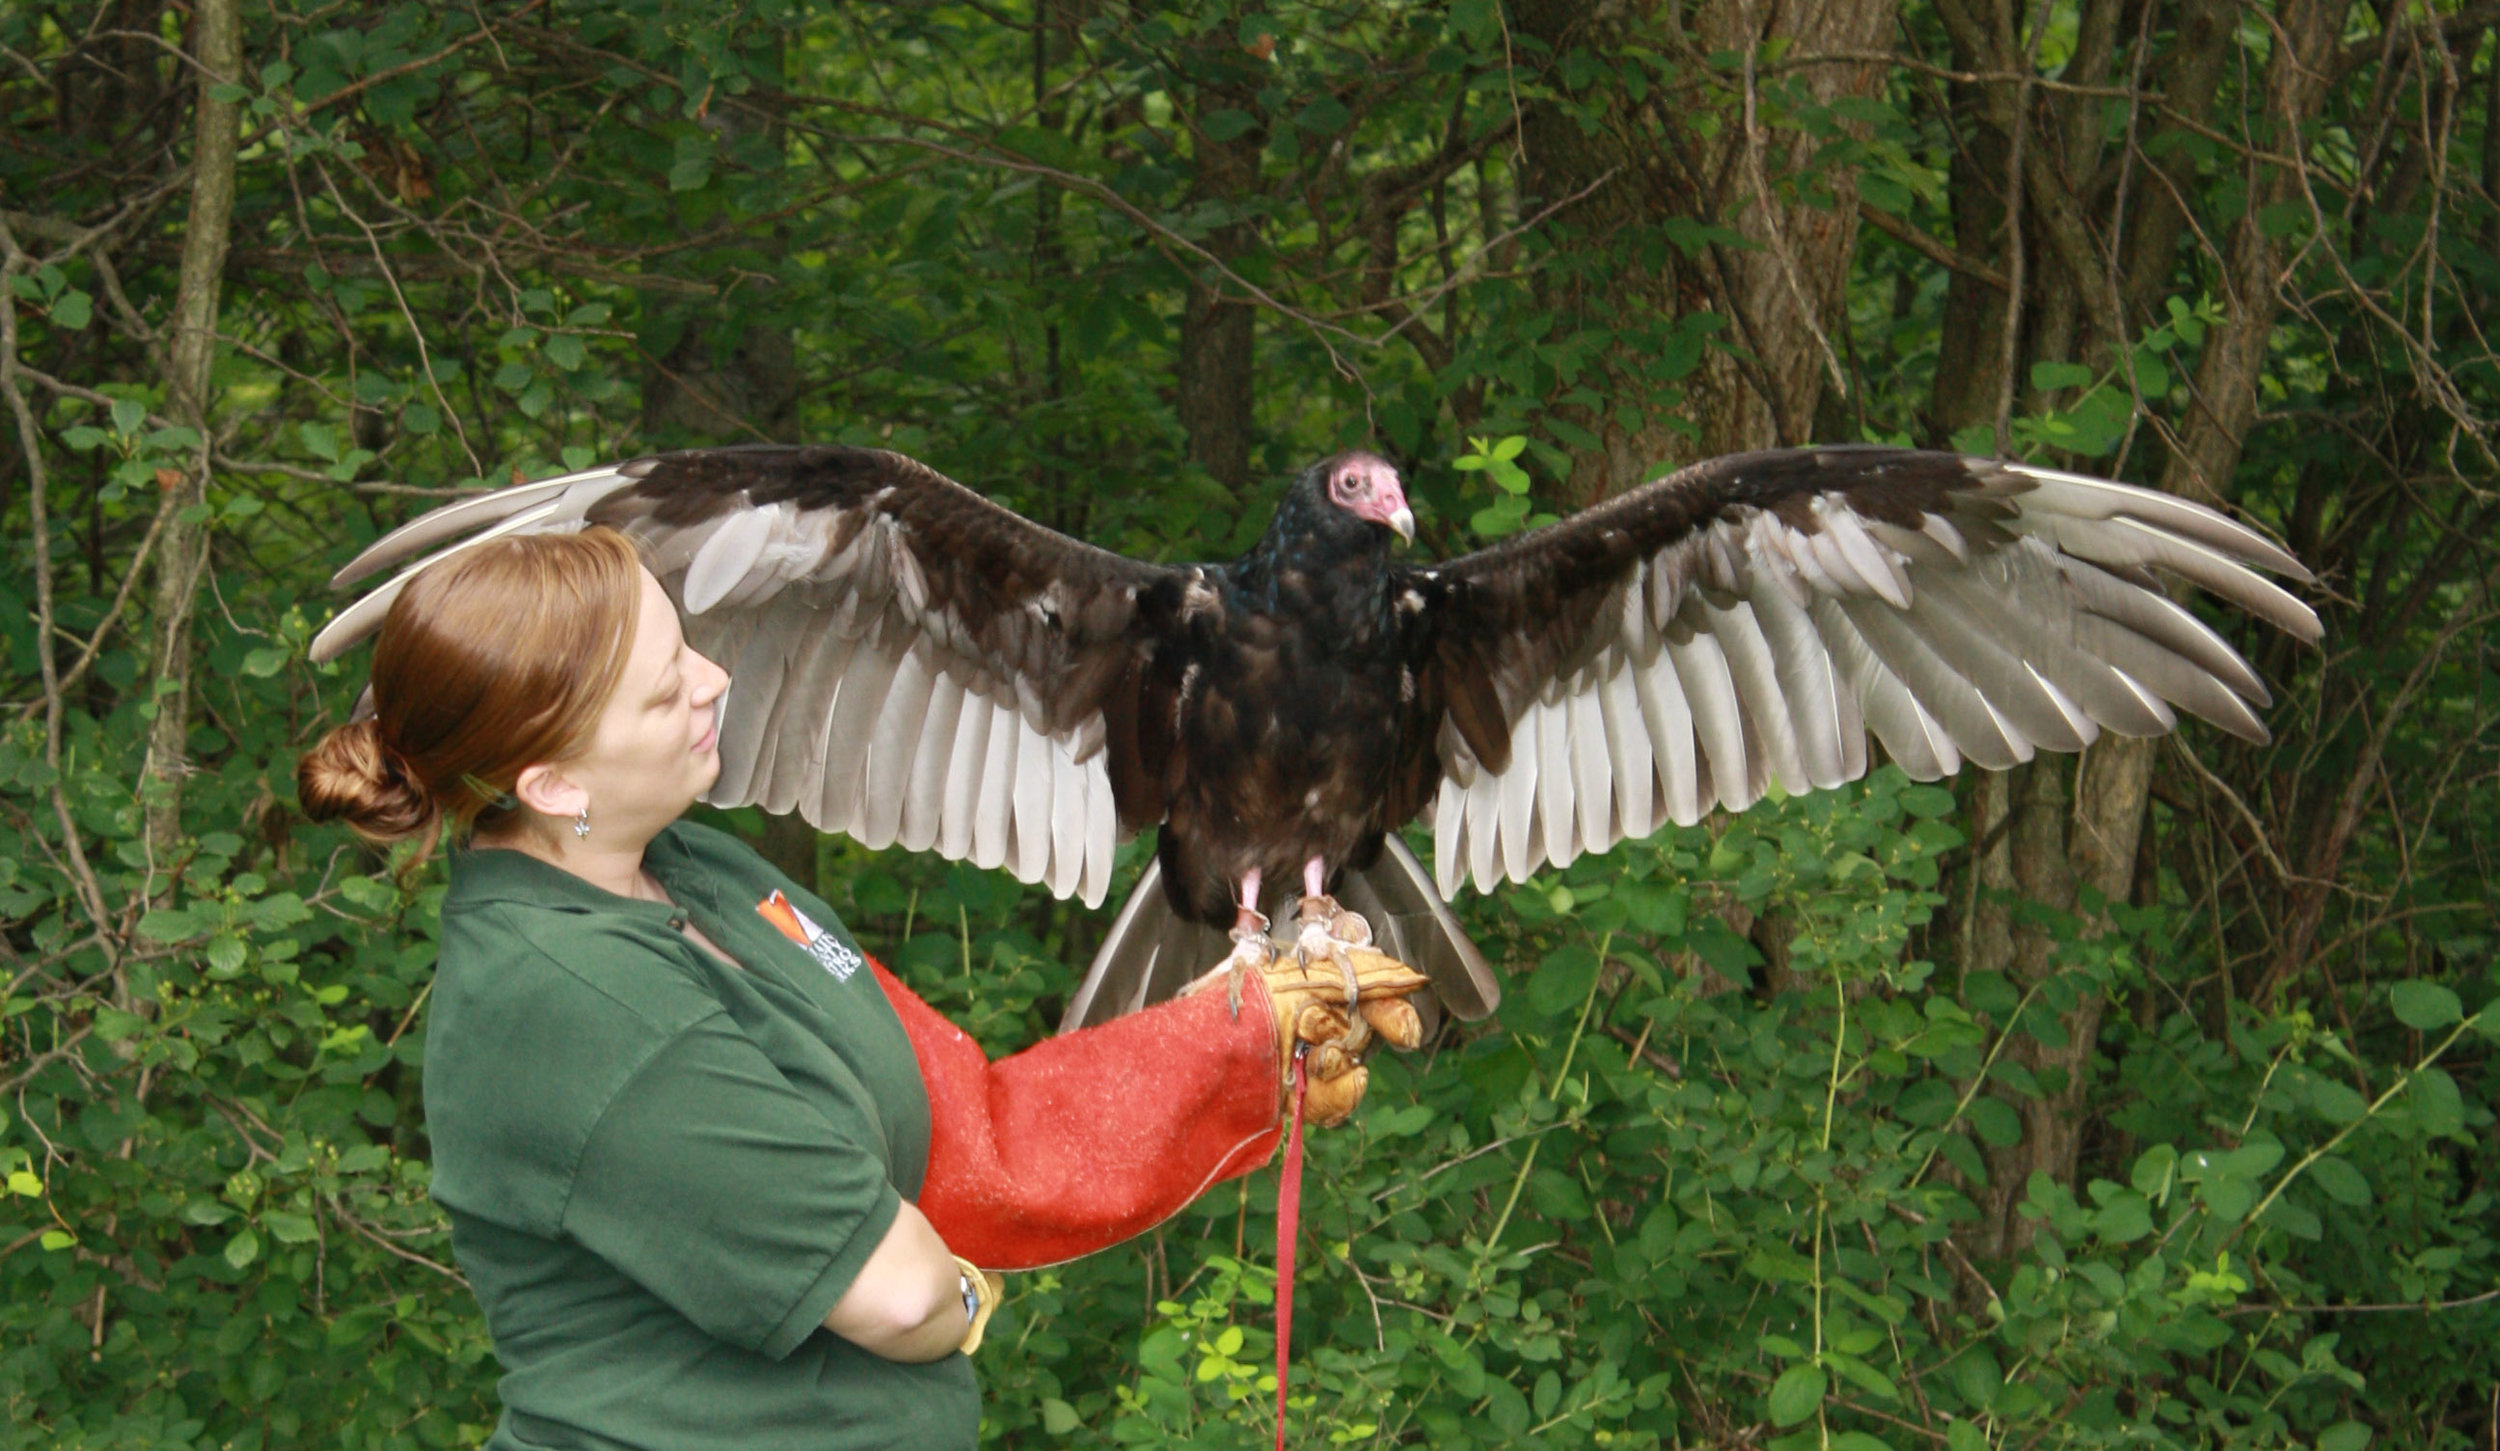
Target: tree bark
[[217, 49], [2057, 833], [1781, 297], [1214, 387]]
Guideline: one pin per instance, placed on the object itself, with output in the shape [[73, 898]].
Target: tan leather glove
[[1312, 1018], [986, 1289]]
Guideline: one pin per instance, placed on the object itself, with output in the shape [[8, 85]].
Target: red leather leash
[[1288, 1230]]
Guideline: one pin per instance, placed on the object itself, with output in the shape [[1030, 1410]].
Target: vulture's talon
[[1252, 951], [1326, 931]]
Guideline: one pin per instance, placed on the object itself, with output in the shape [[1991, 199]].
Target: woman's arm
[[1086, 1139], [907, 1303]]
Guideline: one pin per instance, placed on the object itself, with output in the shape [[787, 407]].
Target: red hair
[[492, 661]]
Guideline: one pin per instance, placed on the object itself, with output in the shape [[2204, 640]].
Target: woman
[[716, 1178]]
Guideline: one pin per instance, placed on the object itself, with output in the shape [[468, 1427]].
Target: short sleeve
[[714, 1184]]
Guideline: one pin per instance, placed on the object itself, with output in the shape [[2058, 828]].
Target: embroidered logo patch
[[830, 952]]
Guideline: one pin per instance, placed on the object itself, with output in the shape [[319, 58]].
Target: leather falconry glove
[[986, 1289], [1313, 1017]]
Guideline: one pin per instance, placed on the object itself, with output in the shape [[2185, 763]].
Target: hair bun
[[352, 775]]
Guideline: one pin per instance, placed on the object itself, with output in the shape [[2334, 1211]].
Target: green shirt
[[662, 1171]]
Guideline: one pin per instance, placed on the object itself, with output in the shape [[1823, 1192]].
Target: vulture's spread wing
[[1752, 618], [909, 661]]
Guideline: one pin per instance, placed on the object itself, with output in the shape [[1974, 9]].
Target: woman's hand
[[1314, 1019], [907, 1303]]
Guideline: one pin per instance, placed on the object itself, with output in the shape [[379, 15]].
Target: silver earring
[[581, 823]]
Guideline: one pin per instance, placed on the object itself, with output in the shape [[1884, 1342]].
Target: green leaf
[[1227, 125], [266, 661], [2153, 1171], [1999, 1127], [2049, 377], [1796, 1394], [2425, 1006], [169, 924], [1963, 1436], [23, 1183], [1927, 801], [2335, 1102], [1865, 1377], [2436, 1103], [566, 351], [2126, 1218], [290, 1227], [58, 1239], [226, 956], [128, 414], [242, 1249], [2344, 1436], [1058, 1417], [73, 310], [2340, 1181]]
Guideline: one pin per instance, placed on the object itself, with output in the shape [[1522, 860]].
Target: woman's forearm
[[907, 1303]]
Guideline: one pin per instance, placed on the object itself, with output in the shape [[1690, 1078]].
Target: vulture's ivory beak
[[1402, 519]]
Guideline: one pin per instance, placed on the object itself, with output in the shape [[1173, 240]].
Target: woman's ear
[[546, 790]]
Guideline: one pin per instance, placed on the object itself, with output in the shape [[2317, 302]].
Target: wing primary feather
[[1953, 702], [2162, 620], [2082, 496], [964, 770], [993, 815], [1805, 680], [1519, 793], [893, 745], [1558, 807], [1449, 836], [849, 730], [2004, 681], [365, 615], [1627, 737], [1102, 830], [1668, 713], [924, 796], [452, 520], [1756, 676], [797, 731], [1067, 819], [1029, 846], [1718, 723]]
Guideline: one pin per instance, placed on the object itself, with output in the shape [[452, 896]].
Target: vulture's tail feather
[[1411, 923], [1151, 954]]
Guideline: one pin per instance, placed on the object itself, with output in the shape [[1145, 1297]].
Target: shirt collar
[[500, 874]]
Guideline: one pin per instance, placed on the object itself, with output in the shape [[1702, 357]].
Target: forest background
[[2146, 1101]]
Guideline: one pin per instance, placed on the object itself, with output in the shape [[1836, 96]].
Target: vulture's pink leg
[[1326, 930], [1252, 949]]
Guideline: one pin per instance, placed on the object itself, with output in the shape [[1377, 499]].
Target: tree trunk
[[1214, 393], [2055, 833], [1648, 165], [217, 48]]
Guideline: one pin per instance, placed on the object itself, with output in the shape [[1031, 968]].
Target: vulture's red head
[[1366, 486]]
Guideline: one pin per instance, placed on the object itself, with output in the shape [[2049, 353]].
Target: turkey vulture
[[912, 662]]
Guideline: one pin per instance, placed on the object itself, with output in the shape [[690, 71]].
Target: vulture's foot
[[1324, 932], [1252, 951]]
